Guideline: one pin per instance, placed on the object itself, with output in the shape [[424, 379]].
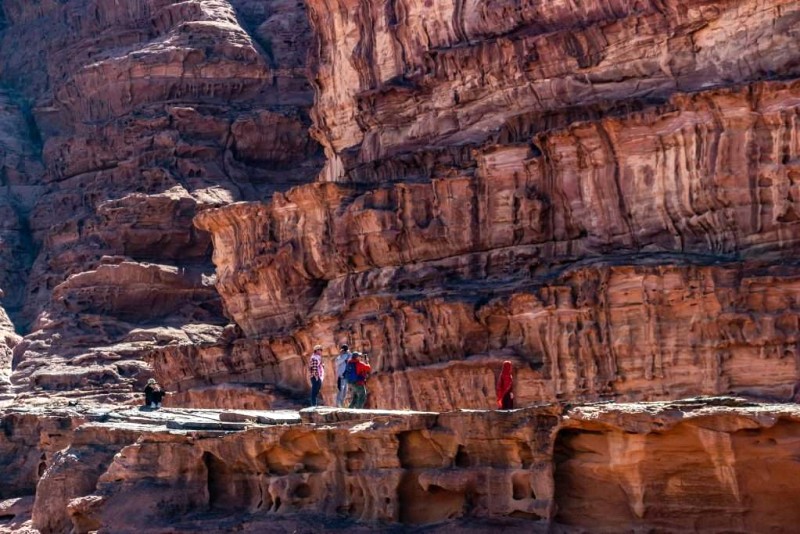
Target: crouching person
[[356, 375], [153, 394]]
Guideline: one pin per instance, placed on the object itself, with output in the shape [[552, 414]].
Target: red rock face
[[447, 73], [590, 191], [591, 256], [602, 467], [603, 193], [455, 214], [149, 112]]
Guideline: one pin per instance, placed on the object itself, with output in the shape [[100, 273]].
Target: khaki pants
[[359, 396]]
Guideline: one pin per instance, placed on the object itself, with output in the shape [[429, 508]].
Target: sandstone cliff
[[598, 468], [488, 166], [145, 113], [600, 193], [603, 192]]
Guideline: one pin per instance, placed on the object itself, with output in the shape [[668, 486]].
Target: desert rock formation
[[146, 112], [601, 194], [604, 192], [599, 467], [483, 167]]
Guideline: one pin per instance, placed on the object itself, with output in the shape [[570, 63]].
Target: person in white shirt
[[339, 364]]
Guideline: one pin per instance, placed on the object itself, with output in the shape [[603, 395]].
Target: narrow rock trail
[[129, 469]]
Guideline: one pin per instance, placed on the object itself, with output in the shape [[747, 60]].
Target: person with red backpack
[[356, 374]]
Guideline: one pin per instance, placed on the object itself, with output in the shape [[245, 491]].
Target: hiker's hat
[[344, 346], [317, 347]]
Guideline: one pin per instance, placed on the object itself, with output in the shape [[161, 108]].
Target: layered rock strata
[[479, 154], [597, 467], [604, 331], [646, 255], [602, 192], [397, 77], [563, 185], [149, 112]]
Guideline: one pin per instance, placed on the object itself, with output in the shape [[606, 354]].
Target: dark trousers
[[316, 385], [508, 402]]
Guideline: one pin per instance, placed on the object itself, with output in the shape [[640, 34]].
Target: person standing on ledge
[[505, 397], [339, 366], [356, 374], [316, 372], [153, 394]]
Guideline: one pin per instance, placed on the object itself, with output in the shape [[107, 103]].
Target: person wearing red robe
[[505, 397]]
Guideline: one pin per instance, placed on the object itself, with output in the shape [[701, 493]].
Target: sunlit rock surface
[[594, 257], [602, 192], [605, 468]]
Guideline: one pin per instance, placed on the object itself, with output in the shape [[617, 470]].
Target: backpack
[[351, 373]]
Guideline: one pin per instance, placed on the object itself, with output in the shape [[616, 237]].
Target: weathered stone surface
[[409, 274], [603, 192], [615, 185], [15, 514], [148, 112], [8, 340], [602, 467], [27, 444], [633, 332], [397, 76], [659, 479], [487, 161]]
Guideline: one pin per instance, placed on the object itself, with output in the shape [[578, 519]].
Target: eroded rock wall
[[625, 332], [485, 160], [600, 477], [560, 185], [148, 112], [588, 255], [27, 444], [394, 77], [599, 467], [8, 340], [602, 192], [602, 188]]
